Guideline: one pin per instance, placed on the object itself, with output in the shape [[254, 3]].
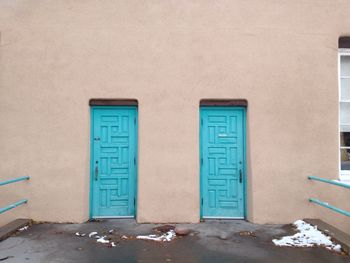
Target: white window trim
[[344, 175]]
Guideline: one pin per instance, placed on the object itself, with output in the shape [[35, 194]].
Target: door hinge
[[135, 120], [201, 160], [134, 201], [202, 201], [135, 161], [201, 121]]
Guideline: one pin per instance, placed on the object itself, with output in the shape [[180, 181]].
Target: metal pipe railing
[[21, 202], [324, 204], [14, 180], [9, 207], [329, 181]]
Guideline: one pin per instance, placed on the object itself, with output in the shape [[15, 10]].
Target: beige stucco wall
[[279, 55]]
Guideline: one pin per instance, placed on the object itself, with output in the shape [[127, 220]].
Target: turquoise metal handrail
[[336, 209], [14, 180], [324, 204], [329, 181], [9, 207], [21, 202]]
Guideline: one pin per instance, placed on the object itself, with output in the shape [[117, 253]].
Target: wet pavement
[[209, 242]]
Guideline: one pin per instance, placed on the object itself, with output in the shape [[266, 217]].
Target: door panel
[[222, 162], [113, 167]]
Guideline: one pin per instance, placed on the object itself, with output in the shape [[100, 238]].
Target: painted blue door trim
[[93, 110], [244, 167]]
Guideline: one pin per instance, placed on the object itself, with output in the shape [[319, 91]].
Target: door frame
[[244, 117], [92, 108]]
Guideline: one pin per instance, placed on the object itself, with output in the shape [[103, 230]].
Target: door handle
[[96, 171], [240, 176]]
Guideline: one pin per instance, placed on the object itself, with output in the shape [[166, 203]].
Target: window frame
[[344, 175]]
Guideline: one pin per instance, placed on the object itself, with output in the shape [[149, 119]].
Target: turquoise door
[[222, 162], [113, 161]]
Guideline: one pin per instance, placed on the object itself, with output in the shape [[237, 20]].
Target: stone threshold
[[11, 228]]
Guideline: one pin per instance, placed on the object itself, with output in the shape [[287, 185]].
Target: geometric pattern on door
[[222, 162], [113, 162]]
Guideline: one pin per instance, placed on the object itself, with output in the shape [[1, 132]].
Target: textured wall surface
[[279, 55]]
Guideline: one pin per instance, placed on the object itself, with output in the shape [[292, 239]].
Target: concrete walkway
[[213, 241]]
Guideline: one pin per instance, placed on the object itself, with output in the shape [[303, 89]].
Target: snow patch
[[308, 236], [99, 239], [166, 237], [23, 228], [92, 234], [102, 240]]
